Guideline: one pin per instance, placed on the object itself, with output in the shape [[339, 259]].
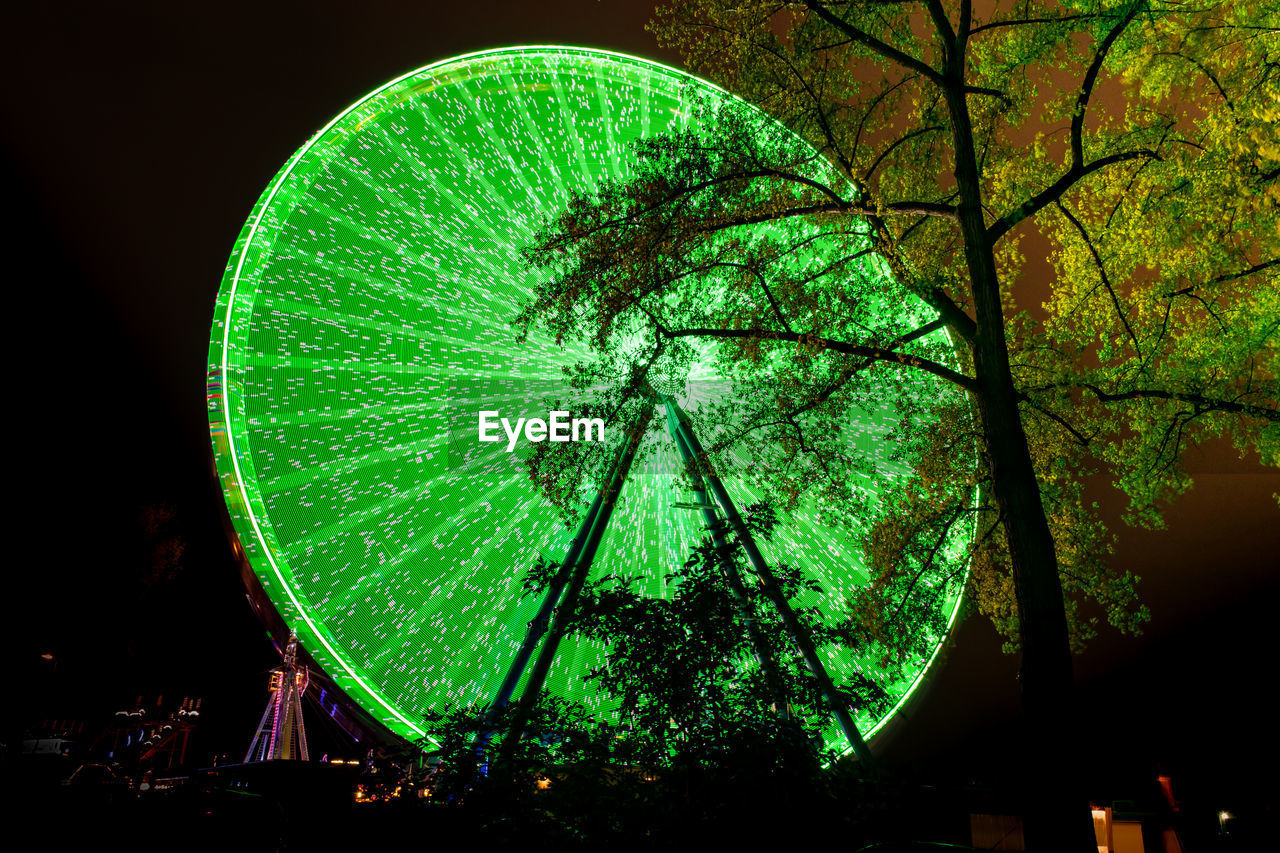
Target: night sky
[[136, 140]]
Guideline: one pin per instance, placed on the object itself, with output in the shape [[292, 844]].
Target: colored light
[[364, 320]]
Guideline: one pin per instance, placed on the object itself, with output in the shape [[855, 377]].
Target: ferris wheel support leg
[[259, 745], [538, 627], [559, 623], [716, 525], [769, 584]]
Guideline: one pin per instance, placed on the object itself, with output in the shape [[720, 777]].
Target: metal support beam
[[538, 626], [769, 584], [715, 524], [563, 612]]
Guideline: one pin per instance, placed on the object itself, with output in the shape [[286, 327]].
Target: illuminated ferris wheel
[[363, 322]]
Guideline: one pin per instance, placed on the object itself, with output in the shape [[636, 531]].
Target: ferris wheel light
[[363, 327]]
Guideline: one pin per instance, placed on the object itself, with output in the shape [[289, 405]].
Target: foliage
[[702, 741], [1137, 138], [571, 779], [684, 670], [560, 734], [881, 266]]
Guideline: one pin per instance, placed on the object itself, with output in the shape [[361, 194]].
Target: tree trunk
[[1056, 810]]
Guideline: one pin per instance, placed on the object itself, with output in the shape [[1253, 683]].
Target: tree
[[1136, 138], [561, 786], [684, 671], [703, 745]]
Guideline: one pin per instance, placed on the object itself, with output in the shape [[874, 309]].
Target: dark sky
[[136, 139]]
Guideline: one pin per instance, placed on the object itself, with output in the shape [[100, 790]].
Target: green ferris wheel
[[364, 321]]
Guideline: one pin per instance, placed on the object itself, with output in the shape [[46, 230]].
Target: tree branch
[[1078, 168], [1018, 22], [983, 90], [1080, 438], [1055, 191], [961, 323], [1102, 271], [1214, 80], [943, 26], [956, 513], [871, 107], [963, 30], [773, 303], [827, 131], [1250, 271], [902, 208], [907, 137], [845, 376], [1207, 403], [1190, 292], [1086, 88], [871, 42], [874, 353], [686, 191]]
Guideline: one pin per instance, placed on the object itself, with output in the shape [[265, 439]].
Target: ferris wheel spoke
[[549, 166]]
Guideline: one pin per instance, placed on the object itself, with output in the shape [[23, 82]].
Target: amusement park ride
[[363, 323], [147, 738], [281, 734]]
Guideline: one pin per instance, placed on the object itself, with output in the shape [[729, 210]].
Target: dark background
[[136, 138]]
